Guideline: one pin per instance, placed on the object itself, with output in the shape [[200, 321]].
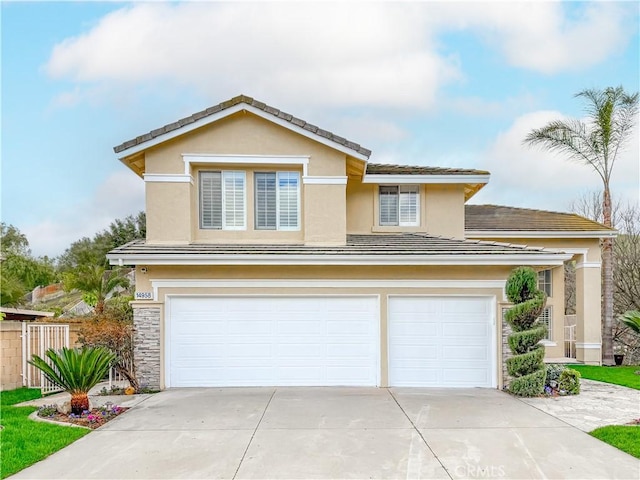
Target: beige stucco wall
[[444, 209], [172, 208], [169, 214], [325, 220], [441, 210]]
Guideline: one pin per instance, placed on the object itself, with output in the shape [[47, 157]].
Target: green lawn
[[626, 438], [623, 375], [24, 442], [11, 397]]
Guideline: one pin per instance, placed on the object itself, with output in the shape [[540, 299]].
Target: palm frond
[[631, 319]]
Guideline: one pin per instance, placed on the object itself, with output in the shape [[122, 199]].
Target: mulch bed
[[91, 419]]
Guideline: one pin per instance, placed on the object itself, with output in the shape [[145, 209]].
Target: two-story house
[[276, 254]]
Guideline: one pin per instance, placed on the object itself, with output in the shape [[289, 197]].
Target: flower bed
[[90, 418]]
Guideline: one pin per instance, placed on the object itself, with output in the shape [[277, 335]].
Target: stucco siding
[[444, 210]]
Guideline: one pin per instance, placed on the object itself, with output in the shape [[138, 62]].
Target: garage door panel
[[299, 326], [467, 375], [414, 352], [263, 341], [456, 353], [440, 341], [419, 326], [464, 329]]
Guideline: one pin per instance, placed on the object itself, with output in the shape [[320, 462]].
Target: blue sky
[[445, 84]]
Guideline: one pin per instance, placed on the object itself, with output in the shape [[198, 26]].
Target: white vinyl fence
[[36, 340]]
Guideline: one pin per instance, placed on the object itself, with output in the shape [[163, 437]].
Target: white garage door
[[267, 340], [441, 342]]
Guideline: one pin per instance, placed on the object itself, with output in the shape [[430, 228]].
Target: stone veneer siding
[[146, 350], [506, 351]]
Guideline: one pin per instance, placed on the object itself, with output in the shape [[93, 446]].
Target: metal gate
[[36, 340]]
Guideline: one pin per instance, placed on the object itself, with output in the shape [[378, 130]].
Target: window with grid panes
[[222, 200], [277, 200], [399, 205]]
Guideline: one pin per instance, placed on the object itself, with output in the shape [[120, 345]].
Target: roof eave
[[378, 178], [480, 234], [542, 258]]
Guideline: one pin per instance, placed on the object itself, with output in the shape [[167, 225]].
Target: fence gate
[[36, 340]]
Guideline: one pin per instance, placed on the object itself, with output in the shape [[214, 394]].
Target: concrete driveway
[[336, 433]]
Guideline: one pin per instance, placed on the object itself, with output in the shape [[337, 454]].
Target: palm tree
[[595, 142], [76, 370], [95, 281]]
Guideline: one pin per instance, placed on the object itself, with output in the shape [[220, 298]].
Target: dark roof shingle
[[499, 218], [379, 244], [236, 101], [381, 169]]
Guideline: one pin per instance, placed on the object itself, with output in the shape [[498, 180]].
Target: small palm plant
[[631, 319], [77, 371]]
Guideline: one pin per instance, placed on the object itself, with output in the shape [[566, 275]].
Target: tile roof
[[380, 244], [380, 169], [236, 101], [499, 218]]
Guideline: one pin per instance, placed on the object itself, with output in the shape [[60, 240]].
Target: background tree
[[13, 241], [93, 251], [95, 282], [21, 272], [595, 142]]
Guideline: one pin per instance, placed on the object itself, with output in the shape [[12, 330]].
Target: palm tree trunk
[[99, 308], [607, 284], [79, 403]]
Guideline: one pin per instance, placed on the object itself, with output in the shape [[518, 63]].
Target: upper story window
[[544, 282], [277, 198], [399, 205], [222, 200]]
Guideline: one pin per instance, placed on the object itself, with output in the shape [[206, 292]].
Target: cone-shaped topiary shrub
[[526, 366]]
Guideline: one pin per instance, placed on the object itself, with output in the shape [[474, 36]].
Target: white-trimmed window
[[223, 200], [544, 282], [399, 205], [277, 199], [546, 318]]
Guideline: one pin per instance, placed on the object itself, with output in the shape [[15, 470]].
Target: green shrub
[[522, 284], [523, 316], [523, 342], [526, 363], [529, 385], [569, 382]]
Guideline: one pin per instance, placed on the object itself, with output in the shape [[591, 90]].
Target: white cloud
[[532, 177], [328, 55], [322, 54], [121, 194], [547, 37]]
